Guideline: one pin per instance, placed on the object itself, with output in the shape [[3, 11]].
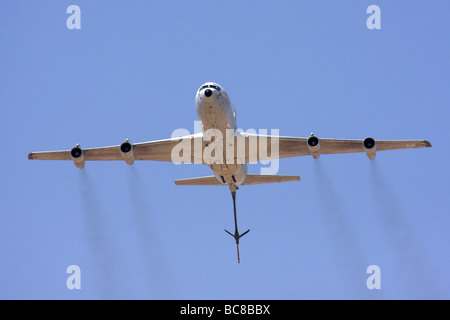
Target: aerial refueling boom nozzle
[[236, 234]]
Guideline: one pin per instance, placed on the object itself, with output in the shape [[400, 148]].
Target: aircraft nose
[[208, 92]]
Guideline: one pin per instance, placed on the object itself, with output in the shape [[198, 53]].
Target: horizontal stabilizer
[[261, 179], [250, 179], [203, 181]]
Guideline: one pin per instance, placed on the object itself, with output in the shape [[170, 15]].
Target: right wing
[[160, 150]]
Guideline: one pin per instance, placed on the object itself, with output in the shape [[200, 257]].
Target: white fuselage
[[215, 111]]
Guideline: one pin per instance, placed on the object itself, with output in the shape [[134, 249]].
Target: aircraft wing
[[259, 147], [332, 146], [247, 148], [159, 150]]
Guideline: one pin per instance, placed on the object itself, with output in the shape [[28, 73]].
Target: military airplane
[[226, 149]]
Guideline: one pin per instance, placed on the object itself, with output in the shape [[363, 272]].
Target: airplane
[[218, 119]]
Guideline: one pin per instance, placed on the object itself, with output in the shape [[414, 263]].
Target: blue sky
[[132, 71]]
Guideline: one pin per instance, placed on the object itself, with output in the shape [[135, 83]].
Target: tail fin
[[250, 179]]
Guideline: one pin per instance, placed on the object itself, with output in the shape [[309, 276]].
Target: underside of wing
[[104, 153], [175, 149], [333, 146], [238, 149], [259, 147]]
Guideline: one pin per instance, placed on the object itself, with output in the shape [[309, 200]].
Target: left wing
[[261, 147]]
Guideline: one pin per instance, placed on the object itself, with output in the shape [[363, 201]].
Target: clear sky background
[[132, 71]]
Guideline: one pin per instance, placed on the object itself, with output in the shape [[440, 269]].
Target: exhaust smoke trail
[[347, 253], [156, 271], [99, 239], [402, 239]]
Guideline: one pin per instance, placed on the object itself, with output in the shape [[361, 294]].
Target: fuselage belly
[[215, 111]]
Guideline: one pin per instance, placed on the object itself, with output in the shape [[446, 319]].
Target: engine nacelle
[[77, 155], [370, 147], [314, 146], [127, 152]]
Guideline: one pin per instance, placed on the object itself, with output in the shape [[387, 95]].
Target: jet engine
[[370, 147], [127, 152], [77, 156], [314, 146]]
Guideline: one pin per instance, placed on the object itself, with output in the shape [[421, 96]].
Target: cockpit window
[[218, 88]]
